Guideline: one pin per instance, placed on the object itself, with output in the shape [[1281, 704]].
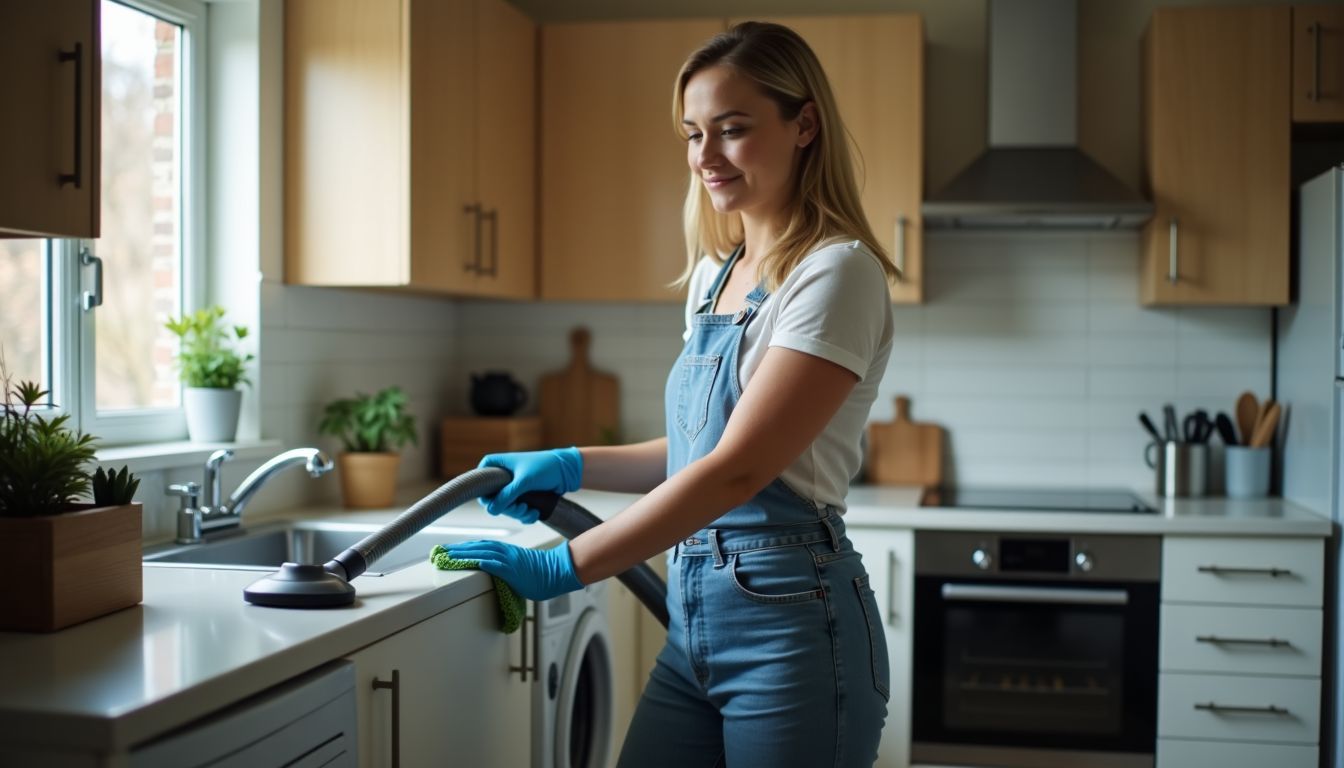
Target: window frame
[[74, 368]]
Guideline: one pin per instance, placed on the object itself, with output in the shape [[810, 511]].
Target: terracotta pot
[[368, 479], [67, 568]]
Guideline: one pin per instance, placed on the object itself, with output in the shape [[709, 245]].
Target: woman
[[775, 655]]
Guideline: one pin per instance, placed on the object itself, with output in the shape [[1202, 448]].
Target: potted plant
[[371, 428], [212, 369], [67, 560]]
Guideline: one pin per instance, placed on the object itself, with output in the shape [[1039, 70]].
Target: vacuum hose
[[312, 586]]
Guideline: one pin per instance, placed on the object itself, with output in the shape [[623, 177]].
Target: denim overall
[[775, 655]]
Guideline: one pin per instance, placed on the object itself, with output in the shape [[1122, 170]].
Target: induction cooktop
[[1112, 501]]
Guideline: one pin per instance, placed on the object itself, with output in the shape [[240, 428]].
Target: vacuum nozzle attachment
[[298, 585]]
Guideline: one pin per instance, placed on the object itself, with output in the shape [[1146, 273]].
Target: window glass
[[141, 239], [25, 327]]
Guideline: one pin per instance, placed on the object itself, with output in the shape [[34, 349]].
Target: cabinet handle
[[526, 665], [92, 298], [492, 216], [1271, 572], [1272, 642], [892, 562], [1269, 710], [1173, 252], [1314, 92], [900, 248], [77, 56], [475, 265], [394, 685]]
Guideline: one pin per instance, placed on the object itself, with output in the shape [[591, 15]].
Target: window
[[111, 365]]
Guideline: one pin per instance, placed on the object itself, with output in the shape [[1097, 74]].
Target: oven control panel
[[1104, 557]]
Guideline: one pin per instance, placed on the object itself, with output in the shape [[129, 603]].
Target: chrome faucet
[[195, 517]]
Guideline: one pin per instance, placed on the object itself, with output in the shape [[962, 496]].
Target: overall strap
[[713, 293]]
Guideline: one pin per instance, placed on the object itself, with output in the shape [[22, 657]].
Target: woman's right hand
[[557, 471]]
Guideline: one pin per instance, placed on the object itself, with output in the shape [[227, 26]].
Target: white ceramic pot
[[212, 414]]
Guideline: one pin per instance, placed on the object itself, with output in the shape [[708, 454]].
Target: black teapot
[[495, 393]]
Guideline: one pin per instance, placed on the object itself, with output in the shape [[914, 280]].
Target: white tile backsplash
[[1031, 350]]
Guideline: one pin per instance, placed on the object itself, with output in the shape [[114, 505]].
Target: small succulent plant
[[112, 489], [41, 458]]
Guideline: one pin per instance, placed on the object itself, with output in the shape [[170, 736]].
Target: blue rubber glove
[[536, 574], [558, 471]]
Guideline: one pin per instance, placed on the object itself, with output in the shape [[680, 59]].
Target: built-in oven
[[1035, 650]]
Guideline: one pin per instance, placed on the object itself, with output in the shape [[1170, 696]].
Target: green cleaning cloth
[[512, 607]]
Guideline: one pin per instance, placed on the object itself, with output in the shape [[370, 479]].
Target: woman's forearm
[[634, 468], [686, 502]]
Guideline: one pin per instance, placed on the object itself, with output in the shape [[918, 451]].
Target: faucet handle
[[214, 479], [190, 493]]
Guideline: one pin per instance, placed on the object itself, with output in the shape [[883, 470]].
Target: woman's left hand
[[536, 574]]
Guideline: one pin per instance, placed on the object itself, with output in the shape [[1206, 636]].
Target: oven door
[[1033, 664]]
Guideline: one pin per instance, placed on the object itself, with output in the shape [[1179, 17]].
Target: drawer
[[1243, 571], [1266, 641], [1182, 753], [1182, 700]]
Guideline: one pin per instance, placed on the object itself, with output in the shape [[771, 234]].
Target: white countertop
[[898, 507], [193, 645]]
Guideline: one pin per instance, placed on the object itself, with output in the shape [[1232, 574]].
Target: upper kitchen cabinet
[[875, 65], [410, 145], [1217, 139], [49, 75], [1318, 64], [613, 171]]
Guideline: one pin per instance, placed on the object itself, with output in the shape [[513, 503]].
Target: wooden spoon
[[1248, 414], [1264, 428]]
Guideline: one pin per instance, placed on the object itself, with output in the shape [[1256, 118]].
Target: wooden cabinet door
[[49, 136], [875, 65], [1318, 64], [889, 557], [1217, 130], [613, 170], [447, 244], [345, 143], [459, 704], [506, 151]]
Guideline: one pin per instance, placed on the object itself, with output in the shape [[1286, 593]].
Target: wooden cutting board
[[579, 405], [905, 452]]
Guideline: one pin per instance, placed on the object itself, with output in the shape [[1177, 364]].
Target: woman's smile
[[719, 182]]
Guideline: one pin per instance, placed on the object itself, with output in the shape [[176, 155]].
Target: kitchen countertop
[[193, 645]]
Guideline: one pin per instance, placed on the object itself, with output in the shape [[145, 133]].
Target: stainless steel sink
[[265, 547]]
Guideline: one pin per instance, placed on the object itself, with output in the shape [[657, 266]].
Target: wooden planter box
[[63, 569]]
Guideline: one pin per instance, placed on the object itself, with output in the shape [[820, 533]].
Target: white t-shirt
[[833, 305]]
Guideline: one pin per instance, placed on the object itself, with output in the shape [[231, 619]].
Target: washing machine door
[[584, 704]]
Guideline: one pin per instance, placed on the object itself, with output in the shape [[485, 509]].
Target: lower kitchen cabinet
[[889, 557], [440, 692], [1239, 680]]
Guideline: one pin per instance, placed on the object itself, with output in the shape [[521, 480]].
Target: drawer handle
[[1271, 572], [1269, 710], [1272, 642], [393, 685], [523, 668]]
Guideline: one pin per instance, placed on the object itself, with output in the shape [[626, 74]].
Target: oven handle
[[1000, 594]]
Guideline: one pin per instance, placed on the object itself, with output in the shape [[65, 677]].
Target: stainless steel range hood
[[1033, 176]]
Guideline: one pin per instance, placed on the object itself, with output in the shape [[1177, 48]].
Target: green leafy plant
[[207, 357], [41, 459], [112, 489], [370, 423]]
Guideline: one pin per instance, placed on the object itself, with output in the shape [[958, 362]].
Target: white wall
[[1032, 350]]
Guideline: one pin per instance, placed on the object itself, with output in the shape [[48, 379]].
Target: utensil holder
[[1247, 471], [1182, 468]]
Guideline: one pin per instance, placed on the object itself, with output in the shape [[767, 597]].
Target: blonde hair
[[825, 202]]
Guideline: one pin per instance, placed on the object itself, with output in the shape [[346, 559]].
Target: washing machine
[[573, 693]]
